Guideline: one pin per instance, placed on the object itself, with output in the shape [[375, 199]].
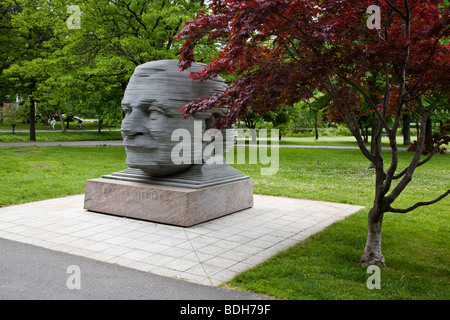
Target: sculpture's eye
[[155, 114], [126, 109]]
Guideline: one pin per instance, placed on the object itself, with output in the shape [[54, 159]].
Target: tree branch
[[287, 48], [418, 204], [407, 176], [433, 152], [369, 101], [355, 130], [425, 65], [428, 87], [104, 75], [136, 17], [396, 9]]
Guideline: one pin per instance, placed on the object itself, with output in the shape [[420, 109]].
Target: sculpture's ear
[[209, 123], [224, 139]]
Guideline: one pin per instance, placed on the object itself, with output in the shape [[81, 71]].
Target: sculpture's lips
[[136, 148], [139, 142]]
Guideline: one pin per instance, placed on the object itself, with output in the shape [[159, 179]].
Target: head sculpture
[[155, 94]]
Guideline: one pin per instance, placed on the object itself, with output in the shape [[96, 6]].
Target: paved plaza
[[208, 254]]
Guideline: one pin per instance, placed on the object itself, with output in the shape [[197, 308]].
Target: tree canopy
[[281, 52], [79, 61]]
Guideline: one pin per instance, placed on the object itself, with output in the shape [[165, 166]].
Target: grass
[[38, 173], [325, 266], [61, 136]]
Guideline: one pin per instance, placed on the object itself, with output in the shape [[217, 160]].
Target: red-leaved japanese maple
[[282, 51]]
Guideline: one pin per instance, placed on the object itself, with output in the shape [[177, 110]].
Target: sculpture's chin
[[150, 163], [159, 170], [162, 171]]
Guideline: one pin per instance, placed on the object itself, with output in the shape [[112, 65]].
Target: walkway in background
[[119, 143], [114, 143]]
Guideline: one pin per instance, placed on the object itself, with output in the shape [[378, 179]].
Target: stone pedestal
[[167, 204]]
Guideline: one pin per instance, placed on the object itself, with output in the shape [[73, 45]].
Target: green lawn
[[61, 136], [38, 173], [324, 266]]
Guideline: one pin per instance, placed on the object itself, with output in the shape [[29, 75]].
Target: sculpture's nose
[[134, 123], [129, 130]]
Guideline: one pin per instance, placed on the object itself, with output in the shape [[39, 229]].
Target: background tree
[[12, 114], [99, 58], [279, 120], [8, 34], [31, 25], [251, 121], [330, 48], [315, 107], [85, 70]]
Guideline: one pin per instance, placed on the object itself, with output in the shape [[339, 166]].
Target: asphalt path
[[29, 272], [114, 143], [119, 143]]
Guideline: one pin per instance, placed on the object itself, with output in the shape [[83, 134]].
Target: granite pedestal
[[167, 204]]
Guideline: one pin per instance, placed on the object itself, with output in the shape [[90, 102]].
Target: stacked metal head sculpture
[[151, 105]]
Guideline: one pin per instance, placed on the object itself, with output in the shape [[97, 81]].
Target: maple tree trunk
[[375, 142], [429, 128], [372, 252]]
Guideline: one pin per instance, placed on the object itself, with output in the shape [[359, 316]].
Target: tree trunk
[[100, 124], [375, 143], [418, 128], [428, 128], [253, 134], [32, 120], [377, 127], [316, 127], [63, 127], [364, 133], [372, 252], [364, 130], [406, 130]]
